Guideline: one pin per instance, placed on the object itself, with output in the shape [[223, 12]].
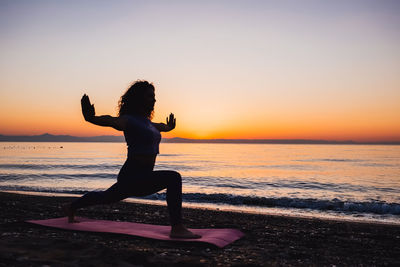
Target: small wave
[[342, 160], [370, 207], [75, 176], [374, 207], [231, 182], [331, 160], [59, 166], [22, 188], [380, 165]]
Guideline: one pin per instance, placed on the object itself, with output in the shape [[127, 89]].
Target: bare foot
[[180, 231], [69, 213]]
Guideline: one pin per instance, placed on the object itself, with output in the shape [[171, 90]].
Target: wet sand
[[269, 240]]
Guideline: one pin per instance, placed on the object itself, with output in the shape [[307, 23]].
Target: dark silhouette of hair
[[132, 102]]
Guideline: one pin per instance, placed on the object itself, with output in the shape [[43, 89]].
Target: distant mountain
[[59, 138], [117, 139]]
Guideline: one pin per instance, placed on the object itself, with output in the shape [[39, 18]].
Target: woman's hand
[[171, 122], [170, 125], [87, 108]]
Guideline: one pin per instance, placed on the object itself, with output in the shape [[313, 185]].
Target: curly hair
[[132, 101]]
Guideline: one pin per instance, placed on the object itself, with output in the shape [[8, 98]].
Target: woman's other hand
[[87, 108], [171, 122]]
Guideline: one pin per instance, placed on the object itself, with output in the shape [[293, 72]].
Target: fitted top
[[141, 136]]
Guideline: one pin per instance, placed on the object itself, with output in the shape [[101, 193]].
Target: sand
[[269, 241]]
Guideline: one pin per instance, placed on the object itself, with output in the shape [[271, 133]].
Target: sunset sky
[[226, 69]]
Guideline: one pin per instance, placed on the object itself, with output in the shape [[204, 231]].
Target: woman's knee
[[175, 177]]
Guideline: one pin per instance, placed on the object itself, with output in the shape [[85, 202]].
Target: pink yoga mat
[[218, 237]]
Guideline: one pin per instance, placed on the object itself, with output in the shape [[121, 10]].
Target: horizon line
[[46, 137]]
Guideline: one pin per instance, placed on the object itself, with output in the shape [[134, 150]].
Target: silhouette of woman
[[137, 177]]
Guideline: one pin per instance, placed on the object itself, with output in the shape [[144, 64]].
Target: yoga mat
[[218, 237]]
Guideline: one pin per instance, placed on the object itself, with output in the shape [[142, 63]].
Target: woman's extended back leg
[[113, 194]]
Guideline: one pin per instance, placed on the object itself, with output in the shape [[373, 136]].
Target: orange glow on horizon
[[352, 128]]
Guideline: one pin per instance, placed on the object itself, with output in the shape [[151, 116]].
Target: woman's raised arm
[[89, 113], [162, 127]]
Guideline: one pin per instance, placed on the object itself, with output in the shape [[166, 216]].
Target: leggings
[[136, 180]]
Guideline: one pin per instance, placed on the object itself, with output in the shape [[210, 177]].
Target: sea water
[[359, 182]]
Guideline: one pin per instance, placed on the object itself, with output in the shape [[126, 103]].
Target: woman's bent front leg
[[172, 181], [154, 181]]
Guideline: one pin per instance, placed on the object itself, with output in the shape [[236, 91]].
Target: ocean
[[345, 182]]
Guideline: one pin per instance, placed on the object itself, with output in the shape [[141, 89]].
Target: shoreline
[[290, 213], [269, 239]]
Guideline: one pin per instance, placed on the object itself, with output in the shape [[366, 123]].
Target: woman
[[136, 177]]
